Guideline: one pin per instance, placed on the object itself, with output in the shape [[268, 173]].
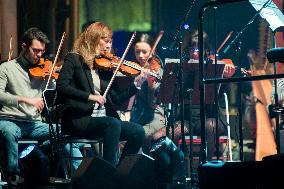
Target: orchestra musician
[[80, 88], [21, 100], [191, 51], [148, 113], [144, 109]]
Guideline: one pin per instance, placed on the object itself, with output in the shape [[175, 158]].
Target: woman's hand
[[229, 70], [144, 75], [97, 98]]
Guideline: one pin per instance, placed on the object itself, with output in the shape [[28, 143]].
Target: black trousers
[[112, 130], [134, 134]]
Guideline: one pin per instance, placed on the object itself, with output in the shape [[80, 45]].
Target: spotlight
[[26, 151], [170, 164], [186, 26]]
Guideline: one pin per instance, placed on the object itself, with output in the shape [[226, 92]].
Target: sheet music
[[270, 13]]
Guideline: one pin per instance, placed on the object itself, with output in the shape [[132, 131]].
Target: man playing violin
[[80, 87], [21, 100]]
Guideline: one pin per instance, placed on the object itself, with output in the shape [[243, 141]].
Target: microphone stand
[[177, 41], [189, 93], [239, 103], [177, 33], [234, 41], [172, 112], [216, 94]]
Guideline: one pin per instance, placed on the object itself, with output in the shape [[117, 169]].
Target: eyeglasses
[[36, 51]]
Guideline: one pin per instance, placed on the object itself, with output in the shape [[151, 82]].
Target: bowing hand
[[229, 70], [144, 75], [97, 98]]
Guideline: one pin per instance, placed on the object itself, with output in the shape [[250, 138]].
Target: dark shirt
[[74, 86]]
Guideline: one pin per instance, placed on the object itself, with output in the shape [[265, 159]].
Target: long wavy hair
[[87, 44]]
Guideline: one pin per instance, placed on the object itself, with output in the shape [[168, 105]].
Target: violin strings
[[139, 68]]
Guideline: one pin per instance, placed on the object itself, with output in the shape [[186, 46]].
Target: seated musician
[[21, 100], [143, 106], [210, 123], [80, 87], [190, 52]]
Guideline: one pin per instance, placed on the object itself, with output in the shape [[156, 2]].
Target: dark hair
[[188, 44], [34, 33], [187, 41], [144, 37]]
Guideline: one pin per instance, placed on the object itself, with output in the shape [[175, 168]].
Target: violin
[[108, 61], [230, 62], [154, 63], [225, 60], [42, 70], [45, 68]]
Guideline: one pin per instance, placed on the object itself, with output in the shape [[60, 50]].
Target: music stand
[[191, 81]]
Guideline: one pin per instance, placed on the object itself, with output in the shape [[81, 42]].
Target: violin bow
[[55, 59], [225, 40], [119, 64], [10, 49], [161, 33]]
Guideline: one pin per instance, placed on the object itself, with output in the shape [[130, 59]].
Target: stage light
[[170, 164], [26, 151], [186, 26]]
